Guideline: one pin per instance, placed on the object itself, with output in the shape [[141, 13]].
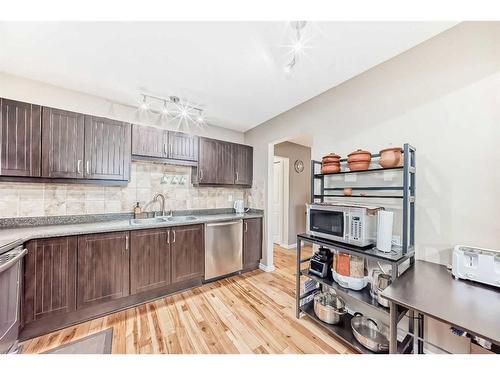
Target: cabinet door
[[243, 164], [49, 278], [63, 136], [149, 259], [252, 242], [20, 138], [103, 268], [225, 163], [208, 161], [186, 244], [149, 141], [107, 149], [182, 146]]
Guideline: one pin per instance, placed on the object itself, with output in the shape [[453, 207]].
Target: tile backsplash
[[39, 199]]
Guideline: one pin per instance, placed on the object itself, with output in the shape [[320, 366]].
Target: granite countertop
[[12, 237]]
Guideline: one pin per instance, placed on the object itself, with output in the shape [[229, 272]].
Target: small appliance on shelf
[[351, 223], [476, 264], [321, 262]]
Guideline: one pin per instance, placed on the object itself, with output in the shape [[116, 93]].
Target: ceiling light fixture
[[172, 107], [298, 47]]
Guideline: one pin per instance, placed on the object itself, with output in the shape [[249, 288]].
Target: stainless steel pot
[[371, 333], [383, 282], [329, 308]]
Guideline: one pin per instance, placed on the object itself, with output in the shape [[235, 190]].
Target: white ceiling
[[235, 70]]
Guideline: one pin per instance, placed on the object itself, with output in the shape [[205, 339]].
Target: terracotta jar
[[331, 158], [358, 165], [390, 157], [359, 160], [330, 168], [359, 155]]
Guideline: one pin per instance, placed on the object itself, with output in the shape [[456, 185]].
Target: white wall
[[443, 97], [22, 89]]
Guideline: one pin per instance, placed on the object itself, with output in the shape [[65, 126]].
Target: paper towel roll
[[384, 230]]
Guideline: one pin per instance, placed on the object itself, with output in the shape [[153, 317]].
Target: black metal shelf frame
[[395, 258]]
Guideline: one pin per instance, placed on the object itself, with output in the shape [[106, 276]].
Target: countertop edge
[[121, 225]]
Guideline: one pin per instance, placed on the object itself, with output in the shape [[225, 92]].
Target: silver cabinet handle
[[171, 149], [246, 226], [168, 236], [173, 234], [201, 174], [87, 167], [236, 176], [126, 243], [79, 166], [165, 151]]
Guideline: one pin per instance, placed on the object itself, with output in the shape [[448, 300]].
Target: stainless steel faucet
[[156, 197]]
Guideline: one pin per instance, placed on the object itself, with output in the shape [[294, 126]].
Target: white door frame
[[284, 201]]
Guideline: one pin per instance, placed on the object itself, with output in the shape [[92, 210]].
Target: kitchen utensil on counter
[[383, 281], [347, 191], [391, 157], [343, 264], [239, 206], [359, 160], [371, 333], [357, 266], [329, 308], [385, 221], [321, 262]]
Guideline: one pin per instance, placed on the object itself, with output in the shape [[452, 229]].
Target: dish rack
[[358, 288]]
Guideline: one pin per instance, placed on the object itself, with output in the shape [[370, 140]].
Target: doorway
[[280, 201]]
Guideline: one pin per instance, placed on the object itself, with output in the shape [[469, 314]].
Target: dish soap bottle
[[137, 211]]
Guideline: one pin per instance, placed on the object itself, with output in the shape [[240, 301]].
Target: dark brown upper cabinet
[[63, 136], [208, 161], [149, 259], [149, 141], [103, 268], [49, 278], [252, 243], [243, 164], [182, 146], [224, 163], [20, 139], [187, 248], [107, 149]]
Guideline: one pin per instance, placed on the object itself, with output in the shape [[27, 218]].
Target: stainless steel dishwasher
[[10, 290], [223, 248]]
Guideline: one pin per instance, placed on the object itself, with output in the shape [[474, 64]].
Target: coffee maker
[[321, 263]]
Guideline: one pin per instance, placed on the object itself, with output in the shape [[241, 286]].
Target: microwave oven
[[349, 223]]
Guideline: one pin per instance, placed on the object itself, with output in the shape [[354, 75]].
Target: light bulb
[[298, 46], [165, 111], [143, 106], [199, 118]]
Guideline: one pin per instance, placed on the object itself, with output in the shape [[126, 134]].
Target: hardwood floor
[[250, 313]]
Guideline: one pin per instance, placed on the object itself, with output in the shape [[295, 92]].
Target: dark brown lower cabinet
[[49, 278], [149, 259], [103, 268], [252, 243], [187, 248]]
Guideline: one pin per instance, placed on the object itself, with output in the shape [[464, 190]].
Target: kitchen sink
[[151, 220], [162, 219], [179, 219]]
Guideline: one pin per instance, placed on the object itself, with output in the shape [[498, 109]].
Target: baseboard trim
[[289, 247], [265, 268]]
